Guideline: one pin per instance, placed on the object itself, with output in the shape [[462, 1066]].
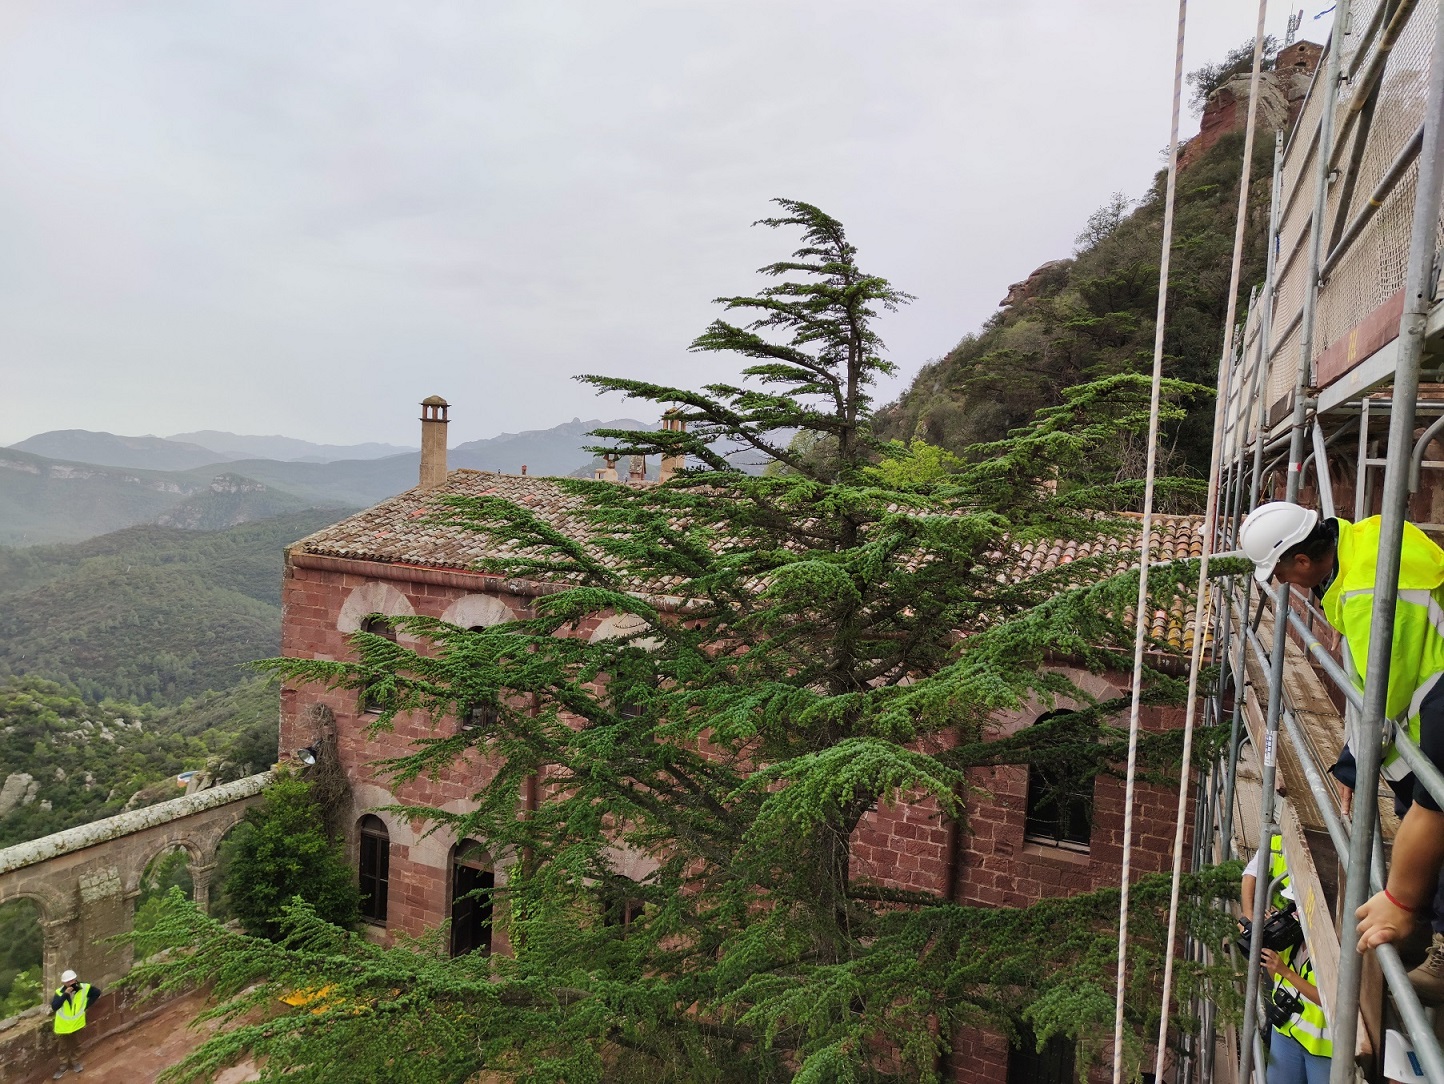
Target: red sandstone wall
[[905, 846], [312, 601]]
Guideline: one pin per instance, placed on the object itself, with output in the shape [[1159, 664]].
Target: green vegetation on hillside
[[66, 762], [148, 614], [1093, 317]]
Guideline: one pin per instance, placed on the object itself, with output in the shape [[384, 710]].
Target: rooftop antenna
[[1296, 18]]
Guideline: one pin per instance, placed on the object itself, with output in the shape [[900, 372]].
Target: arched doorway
[[22, 953], [472, 880], [375, 867]]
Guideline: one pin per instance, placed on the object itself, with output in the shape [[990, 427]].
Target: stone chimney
[[671, 464], [433, 442], [609, 472], [637, 470]]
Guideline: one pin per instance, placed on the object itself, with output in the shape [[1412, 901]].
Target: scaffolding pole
[[1418, 299]]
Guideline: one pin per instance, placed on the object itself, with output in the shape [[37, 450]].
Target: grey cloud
[[304, 216]]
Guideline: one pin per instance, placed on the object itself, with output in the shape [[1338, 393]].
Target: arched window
[[377, 625], [472, 880], [1060, 807], [375, 868]]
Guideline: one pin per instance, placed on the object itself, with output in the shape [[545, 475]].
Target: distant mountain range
[[187, 450], [289, 449], [72, 484]]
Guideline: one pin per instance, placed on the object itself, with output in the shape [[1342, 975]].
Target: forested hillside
[[65, 761], [148, 614], [1092, 315]]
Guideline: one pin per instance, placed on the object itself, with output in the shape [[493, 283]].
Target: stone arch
[[24, 933], [372, 597], [1095, 685], [620, 625], [371, 798], [210, 879], [477, 611], [209, 843], [51, 905], [144, 859]]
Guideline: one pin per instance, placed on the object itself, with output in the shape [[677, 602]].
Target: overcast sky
[[303, 217]]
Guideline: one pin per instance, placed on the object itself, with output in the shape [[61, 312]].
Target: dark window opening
[[375, 868], [1060, 808], [376, 624], [1054, 1064], [482, 715], [619, 907], [472, 881]]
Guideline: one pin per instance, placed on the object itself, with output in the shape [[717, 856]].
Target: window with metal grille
[[375, 868], [1060, 807]]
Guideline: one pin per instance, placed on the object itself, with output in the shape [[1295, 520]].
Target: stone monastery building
[[390, 560]]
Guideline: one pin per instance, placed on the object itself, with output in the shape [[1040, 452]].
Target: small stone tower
[[608, 473], [433, 442], [672, 423]]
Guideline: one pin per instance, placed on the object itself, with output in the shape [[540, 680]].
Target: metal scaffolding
[[1332, 350]]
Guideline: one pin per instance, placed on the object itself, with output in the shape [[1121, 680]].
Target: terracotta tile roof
[[1174, 538], [398, 531]]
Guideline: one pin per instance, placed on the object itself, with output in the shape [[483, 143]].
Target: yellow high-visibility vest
[[1278, 868], [71, 1014], [1308, 1026], [1417, 656]]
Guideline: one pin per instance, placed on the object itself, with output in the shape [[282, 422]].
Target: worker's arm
[[1275, 966], [1246, 895], [1413, 877]]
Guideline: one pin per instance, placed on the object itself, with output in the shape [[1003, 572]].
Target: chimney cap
[[434, 400]]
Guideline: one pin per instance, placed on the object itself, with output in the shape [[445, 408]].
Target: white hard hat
[[1400, 1061], [68, 976], [1269, 530]]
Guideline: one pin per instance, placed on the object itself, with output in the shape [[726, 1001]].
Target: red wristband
[[1403, 907]]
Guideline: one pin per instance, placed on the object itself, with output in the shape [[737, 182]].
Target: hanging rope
[[1203, 600], [1141, 614]]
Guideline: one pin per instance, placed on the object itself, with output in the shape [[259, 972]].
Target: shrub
[[282, 853]]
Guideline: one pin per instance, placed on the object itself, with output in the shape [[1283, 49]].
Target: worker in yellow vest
[[1284, 894], [69, 1004], [1300, 1047], [1339, 558]]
